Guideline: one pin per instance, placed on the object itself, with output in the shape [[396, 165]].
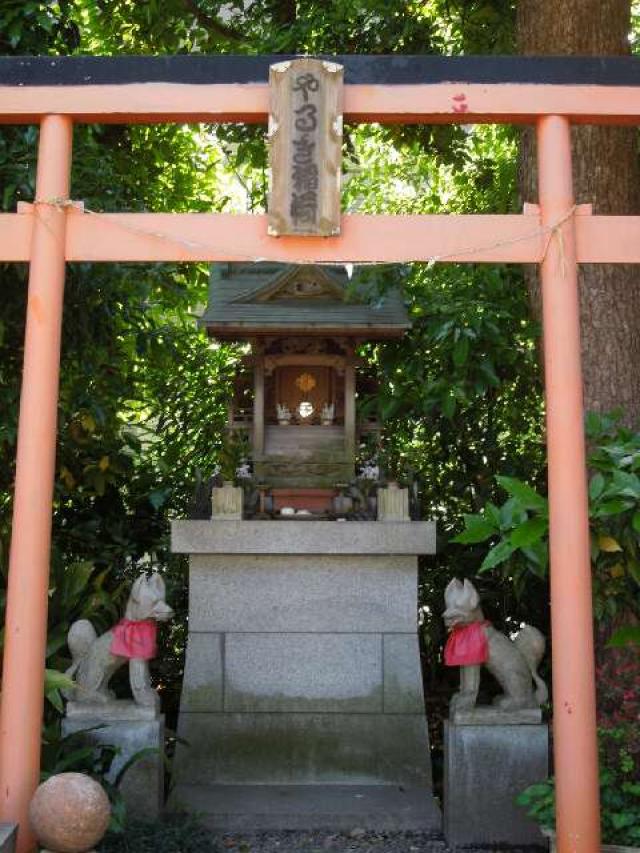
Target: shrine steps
[[248, 808]]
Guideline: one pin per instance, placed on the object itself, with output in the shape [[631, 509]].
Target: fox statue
[[473, 641], [96, 658]]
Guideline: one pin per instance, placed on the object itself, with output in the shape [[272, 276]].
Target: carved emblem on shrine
[[305, 147], [305, 382]]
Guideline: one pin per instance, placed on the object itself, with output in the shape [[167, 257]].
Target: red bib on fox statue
[[135, 639], [467, 645]]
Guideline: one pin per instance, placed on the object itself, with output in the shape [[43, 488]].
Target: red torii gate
[[551, 93]]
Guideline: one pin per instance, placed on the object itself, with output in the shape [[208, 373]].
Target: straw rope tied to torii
[[550, 93], [543, 233]]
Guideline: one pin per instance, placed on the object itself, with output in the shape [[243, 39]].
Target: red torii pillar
[[574, 703], [28, 585]]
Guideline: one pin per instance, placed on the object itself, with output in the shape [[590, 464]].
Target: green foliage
[[619, 792], [614, 500], [628, 635], [540, 802], [76, 591], [72, 753], [233, 452], [55, 683], [518, 530], [459, 395], [76, 753], [143, 393], [618, 683]]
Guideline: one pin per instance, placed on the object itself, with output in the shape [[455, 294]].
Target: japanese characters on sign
[[305, 135], [304, 161]]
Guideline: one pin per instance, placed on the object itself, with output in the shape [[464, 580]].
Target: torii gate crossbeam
[[551, 93]]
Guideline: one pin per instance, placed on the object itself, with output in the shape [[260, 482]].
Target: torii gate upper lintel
[[550, 92]]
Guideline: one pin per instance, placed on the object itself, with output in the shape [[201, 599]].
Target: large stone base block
[[303, 749], [302, 665], [486, 767], [142, 785]]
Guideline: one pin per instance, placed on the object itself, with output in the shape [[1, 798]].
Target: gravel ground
[[186, 835], [356, 841]]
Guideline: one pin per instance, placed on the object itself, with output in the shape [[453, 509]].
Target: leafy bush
[[72, 753], [79, 753], [142, 397], [76, 591], [619, 790], [618, 679], [519, 529]]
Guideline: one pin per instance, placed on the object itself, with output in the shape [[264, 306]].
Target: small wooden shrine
[[295, 395], [302, 684]]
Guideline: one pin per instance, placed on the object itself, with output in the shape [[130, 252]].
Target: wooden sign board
[[305, 147]]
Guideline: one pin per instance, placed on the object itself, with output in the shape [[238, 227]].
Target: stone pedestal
[[302, 662], [393, 504], [486, 767], [131, 728], [226, 502], [8, 833]]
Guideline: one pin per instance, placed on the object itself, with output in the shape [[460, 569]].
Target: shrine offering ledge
[[290, 537]]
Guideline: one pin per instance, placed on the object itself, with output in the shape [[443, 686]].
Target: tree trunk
[[606, 174], [284, 12]]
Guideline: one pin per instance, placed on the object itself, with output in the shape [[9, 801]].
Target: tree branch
[[212, 24]]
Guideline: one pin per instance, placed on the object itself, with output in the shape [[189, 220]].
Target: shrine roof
[[265, 297]]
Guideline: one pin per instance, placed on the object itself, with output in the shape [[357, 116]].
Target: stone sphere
[[69, 813]]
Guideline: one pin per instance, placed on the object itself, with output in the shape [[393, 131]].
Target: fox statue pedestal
[[491, 753], [302, 702], [8, 835], [135, 731], [486, 766], [99, 718]]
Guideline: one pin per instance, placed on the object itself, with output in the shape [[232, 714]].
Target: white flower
[[370, 471], [243, 471], [328, 411]]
